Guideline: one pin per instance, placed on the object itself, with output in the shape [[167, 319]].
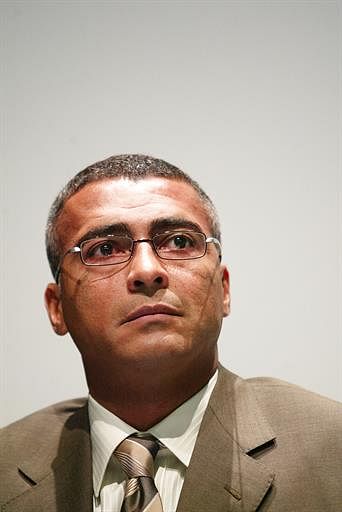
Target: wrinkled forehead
[[136, 203]]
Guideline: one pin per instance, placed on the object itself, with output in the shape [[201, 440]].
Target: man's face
[[103, 307]]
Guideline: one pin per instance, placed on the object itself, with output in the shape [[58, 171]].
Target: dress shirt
[[177, 433]]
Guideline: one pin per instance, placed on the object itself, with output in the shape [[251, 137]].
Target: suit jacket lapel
[[222, 475], [65, 485]]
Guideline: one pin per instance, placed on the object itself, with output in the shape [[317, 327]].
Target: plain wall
[[245, 96]]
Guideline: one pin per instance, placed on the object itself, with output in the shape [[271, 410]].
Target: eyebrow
[[117, 228], [157, 226], [172, 223]]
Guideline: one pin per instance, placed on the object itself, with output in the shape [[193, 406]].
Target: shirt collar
[[178, 431]]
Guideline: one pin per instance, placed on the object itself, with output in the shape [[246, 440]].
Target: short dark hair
[[132, 166]]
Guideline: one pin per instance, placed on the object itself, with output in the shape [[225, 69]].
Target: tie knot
[[136, 455]]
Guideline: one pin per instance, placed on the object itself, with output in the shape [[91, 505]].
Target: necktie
[[136, 455]]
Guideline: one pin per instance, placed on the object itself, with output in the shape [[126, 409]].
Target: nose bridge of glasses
[[149, 241]]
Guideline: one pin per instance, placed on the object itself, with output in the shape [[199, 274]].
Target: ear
[[54, 309], [226, 290]]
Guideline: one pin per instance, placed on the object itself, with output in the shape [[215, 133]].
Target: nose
[[147, 274]]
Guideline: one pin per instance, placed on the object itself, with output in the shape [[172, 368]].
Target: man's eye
[[177, 242], [101, 249], [104, 250], [181, 241]]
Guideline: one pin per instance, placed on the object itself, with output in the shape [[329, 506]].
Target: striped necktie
[[136, 455]]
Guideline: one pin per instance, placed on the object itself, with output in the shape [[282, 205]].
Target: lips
[[148, 310]]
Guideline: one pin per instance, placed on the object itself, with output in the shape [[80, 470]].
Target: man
[[134, 246]]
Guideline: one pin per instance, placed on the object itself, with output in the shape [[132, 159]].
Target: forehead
[[134, 203]]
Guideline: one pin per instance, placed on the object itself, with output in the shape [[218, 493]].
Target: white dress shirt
[[177, 432]]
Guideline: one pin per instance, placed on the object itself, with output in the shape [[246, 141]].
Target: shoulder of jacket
[[33, 446], [51, 419], [283, 401], [270, 385], [284, 404]]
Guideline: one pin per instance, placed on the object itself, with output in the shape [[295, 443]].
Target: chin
[[157, 348]]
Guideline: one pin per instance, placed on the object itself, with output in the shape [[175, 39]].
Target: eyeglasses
[[115, 249]]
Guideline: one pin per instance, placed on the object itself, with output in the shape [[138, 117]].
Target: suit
[[264, 445]]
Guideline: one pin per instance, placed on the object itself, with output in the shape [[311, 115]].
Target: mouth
[[152, 310]]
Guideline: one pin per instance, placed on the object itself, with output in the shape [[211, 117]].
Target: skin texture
[[142, 368]]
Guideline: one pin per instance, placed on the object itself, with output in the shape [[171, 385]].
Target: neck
[[143, 396]]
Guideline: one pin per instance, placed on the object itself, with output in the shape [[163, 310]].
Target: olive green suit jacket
[[264, 445]]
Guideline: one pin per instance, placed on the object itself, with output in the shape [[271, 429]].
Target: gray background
[[245, 96]]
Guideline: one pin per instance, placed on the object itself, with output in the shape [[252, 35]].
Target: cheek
[[201, 294], [91, 304], [201, 290]]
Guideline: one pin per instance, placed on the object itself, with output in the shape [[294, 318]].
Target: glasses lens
[[107, 250], [180, 245]]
